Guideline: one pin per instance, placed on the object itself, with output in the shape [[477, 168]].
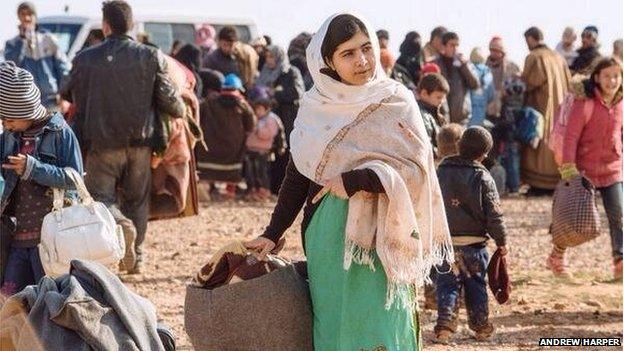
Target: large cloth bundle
[[174, 188], [575, 218], [248, 306]]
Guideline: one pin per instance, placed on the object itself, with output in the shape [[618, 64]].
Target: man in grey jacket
[[116, 88], [454, 67]]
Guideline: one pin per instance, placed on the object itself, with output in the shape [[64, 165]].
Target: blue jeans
[[23, 268], [612, 200], [510, 159], [469, 274]]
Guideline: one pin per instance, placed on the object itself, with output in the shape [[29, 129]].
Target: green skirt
[[349, 305]]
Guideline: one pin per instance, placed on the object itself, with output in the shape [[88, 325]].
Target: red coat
[[594, 144]]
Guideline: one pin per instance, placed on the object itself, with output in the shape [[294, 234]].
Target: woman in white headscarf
[[374, 221]]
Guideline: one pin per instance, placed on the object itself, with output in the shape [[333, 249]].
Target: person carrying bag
[[591, 160]]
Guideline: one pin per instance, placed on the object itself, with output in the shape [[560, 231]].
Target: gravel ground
[[588, 305]]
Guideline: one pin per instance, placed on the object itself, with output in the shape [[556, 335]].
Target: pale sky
[[475, 21]]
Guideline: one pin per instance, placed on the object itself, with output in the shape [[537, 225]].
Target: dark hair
[[475, 142], [268, 39], [448, 36], [534, 33], [341, 29], [437, 32], [118, 15], [97, 34], [228, 33], [264, 102], [190, 56], [383, 34], [211, 80], [433, 82], [27, 6], [411, 44], [590, 84]]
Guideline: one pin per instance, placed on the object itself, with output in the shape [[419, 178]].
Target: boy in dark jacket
[[432, 91], [474, 215], [35, 147]]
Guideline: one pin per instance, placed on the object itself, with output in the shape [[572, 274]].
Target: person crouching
[[226, 121]]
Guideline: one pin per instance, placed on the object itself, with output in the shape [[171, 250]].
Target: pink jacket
[[595, 144], [261, 140]]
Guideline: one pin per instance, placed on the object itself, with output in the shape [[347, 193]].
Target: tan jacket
[[247, 63]]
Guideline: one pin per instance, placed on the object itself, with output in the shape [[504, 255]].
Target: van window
[[164, 34], [65, 33]]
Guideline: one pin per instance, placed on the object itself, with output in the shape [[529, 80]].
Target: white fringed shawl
[[376, 126]]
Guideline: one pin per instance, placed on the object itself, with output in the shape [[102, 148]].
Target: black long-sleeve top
[[298, 190]]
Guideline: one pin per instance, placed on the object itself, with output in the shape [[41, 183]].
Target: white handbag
[[86, 231]]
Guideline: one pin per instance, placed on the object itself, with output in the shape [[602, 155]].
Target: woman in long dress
[[374, 221]]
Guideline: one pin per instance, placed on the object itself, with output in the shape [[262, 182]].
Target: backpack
[[280, 144], [560, 124]]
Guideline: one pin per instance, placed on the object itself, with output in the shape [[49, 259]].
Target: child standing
[[484, 94], [35, 147], [432, 91], [507, 146], [259, 147], [474, 214]]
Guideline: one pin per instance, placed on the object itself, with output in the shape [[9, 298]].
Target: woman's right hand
[[261, 247]]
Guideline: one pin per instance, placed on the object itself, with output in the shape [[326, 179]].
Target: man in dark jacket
[[474, 214], [454, 67], [588, 54], [116, 87]]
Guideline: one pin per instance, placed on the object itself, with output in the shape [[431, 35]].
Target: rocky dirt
[[587, 305]]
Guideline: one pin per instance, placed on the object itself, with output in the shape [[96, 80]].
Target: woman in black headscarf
[[407, 66], [190, 56]]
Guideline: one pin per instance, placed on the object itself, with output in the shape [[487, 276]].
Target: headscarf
[[410, 55], [377, 126], [268, 76], [204, 37], [190, 56]]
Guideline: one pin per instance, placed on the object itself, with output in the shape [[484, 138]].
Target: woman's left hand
[[333, 186]]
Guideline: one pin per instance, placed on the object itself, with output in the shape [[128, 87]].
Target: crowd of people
[[334, 117]]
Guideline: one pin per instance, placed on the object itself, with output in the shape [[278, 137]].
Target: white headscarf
[[331, 103], [377, 126]]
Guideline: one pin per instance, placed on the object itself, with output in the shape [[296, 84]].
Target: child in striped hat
[[35, 147]]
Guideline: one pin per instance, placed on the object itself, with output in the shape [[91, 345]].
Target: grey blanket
[[88, 309]]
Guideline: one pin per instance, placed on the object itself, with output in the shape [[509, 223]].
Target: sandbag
[[272, 312], [575, 218]]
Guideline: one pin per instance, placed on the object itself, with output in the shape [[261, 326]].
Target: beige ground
[[590, 305]]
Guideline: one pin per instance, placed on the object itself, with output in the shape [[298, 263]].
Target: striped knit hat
[[19, 96]]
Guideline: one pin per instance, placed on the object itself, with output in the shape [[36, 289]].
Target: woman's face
[[271, 60], [609, 80], [354, 60]]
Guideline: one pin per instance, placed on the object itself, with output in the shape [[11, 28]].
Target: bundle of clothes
[[236, 302], [87, 309]]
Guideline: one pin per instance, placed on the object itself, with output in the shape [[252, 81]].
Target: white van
[[72, 31]]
